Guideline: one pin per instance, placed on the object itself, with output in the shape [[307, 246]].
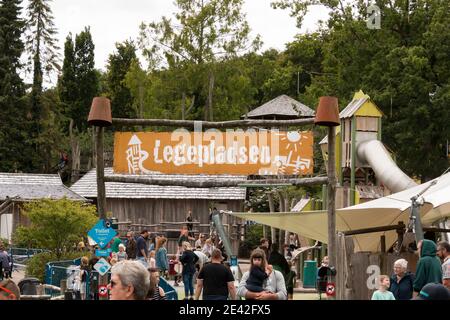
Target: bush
[[36, 265], [4, 242], [56, 225], [253, 236]]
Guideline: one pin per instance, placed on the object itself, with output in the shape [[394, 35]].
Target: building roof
[[352, 107], [359, 100], [282, 106], [370, 192], [29, 186], [300, 205], [87, 187]]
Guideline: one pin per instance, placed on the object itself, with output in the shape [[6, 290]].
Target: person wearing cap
[[274, 289], [9, 290], [215, 280], [443, 252], [433, 291], [428, 268]]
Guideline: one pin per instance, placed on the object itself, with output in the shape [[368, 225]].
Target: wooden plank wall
[[154, 211], [352, 269]]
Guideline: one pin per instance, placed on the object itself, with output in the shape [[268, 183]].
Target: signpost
[[103, 253], [331, 289], [102, 266], [102, 233], [103, 291]]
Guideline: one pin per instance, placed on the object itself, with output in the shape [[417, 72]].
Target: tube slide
[[375, 154]]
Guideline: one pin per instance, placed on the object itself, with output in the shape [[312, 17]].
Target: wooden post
[[101, 193], [383, 243], [400, 234], [272, 209], [331, 194]]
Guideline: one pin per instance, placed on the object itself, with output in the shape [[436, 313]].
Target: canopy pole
[[331, 197]]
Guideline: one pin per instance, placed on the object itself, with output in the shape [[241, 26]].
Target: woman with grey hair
[[130, 280], [401, 281]]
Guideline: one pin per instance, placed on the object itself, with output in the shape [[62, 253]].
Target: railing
[[62, 275]]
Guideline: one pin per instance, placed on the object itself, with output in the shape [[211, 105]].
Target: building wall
[[155, 211]]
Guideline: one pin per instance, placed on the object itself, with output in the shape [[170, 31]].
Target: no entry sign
[[331, 289], [102, 291]]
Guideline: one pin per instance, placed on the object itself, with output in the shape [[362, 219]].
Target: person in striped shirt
[[155, 292]]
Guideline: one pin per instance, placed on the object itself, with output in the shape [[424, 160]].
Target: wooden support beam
[[435, 229], [383, 243], [374, 229], [5, 205], [222, 183], [209, 124], [331, 197], [101, 193]]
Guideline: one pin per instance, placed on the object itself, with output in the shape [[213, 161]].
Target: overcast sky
[[114, 21]]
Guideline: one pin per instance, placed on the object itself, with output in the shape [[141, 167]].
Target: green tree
[[13, 106], [403, 67], [67, 83], [86, 78], [118, 65], [42, 48], [205, 31], [138, 83], [56, 224]]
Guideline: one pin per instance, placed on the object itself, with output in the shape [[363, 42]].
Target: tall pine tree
[[79, 82], [86, 78], [41, 45], [67, 83], [13, 111], [118, 65]]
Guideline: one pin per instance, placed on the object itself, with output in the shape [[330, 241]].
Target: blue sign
[[233, 261], [102, 266], [102, 233], [103, 253]]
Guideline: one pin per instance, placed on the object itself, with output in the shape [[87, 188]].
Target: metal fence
[[20, 256], [68, 272]]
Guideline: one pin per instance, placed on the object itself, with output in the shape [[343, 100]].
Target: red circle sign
[[102, 291], [331, 289]]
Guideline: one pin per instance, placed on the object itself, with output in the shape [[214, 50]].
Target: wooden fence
[[357, 272]]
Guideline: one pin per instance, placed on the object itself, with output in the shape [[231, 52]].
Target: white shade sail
[[380, 212]]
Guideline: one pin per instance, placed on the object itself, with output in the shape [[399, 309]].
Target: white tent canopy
[[380, 212]]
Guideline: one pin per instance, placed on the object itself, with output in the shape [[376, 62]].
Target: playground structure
[[365, 171], [364, 167]]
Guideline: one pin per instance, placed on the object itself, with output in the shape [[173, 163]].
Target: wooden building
[[163, 209], [18, 188], [281, 108]]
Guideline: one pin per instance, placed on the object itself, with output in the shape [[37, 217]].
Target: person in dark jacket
[[429, 267], [188, 260], [131, 246], [278, 261], [402, 281]]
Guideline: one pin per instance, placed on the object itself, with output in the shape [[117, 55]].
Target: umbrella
[[376, 213]]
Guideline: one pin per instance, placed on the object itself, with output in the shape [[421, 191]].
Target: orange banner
[[235, 152]]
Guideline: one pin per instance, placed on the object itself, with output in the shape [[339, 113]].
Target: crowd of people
[[139, 262], [431, 280]]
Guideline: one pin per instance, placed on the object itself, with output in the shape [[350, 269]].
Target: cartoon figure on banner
[[136, 156], [283, 164]]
